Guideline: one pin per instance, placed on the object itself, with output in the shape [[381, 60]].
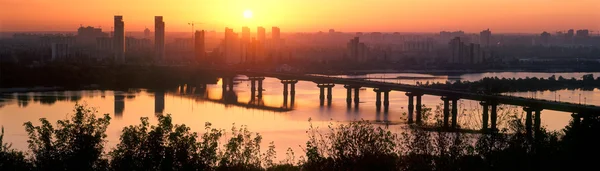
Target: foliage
[[11, 159], [75, 144]]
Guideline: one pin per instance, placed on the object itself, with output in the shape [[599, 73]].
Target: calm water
[[193, 107]]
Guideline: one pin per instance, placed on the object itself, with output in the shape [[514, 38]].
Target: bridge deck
[[501, 99]]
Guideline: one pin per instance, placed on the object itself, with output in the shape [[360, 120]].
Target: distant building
[[159, 37], [356, 50], [455, 50], [260, 34], [583, 33], [231, 48], [147, 33], [119, 39], [545, 38], [570, 33], [199, 47], [60, 51], [245, 34], [275, 34], [462, 53], [485, 37], [136, 45], [419, 45], [88, 35], [276, 42]]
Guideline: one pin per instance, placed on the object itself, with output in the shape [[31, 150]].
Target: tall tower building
[[260, 34], [485, 37], [199, 45], [159, 37], [231, 48], [245, 34], [119, 39], [275, 34], [456, 50]]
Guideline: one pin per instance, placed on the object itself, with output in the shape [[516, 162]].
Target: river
[[188, 105]]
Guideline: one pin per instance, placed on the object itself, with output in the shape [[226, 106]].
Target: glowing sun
[[247, 14]]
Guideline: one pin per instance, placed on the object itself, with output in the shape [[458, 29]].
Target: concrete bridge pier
[[253, 83], [537, 123], [230, 84], [485, 116], [493, 116], [252, 87], [329, 94], [292, 92], [285, 93], [446, 111], [348, 95], [386, 99], [227, 83], [454, 112], [410, 107], [528, 121], [260, 87], [356, 96], [377, 99], [322, 87], [419, 114], [321, 94]]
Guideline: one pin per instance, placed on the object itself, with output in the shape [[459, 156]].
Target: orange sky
[[532, 16]]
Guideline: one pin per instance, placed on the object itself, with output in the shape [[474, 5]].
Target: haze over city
[[508, 16]]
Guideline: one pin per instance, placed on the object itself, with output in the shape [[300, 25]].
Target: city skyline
[[309, 16]]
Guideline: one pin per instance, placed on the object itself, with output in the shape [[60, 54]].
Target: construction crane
[[192, 24]]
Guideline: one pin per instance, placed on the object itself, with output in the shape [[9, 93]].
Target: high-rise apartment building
[[260, 34], [485, 37], [119, 39], [159, 37], [245, 34], [199, 50]]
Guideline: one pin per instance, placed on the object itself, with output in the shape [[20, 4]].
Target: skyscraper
[[260, 34], [485, 37], [245, 34], [231, 47], [456, 49], [275, 34], [159, 37], [199, 46], [260, 45], [119, 39]]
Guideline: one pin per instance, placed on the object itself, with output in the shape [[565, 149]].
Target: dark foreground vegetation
[[78, 144], [494, 85]]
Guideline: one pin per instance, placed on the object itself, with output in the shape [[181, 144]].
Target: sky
[[506, 16]]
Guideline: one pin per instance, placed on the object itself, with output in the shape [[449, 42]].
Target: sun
[[247, 14]]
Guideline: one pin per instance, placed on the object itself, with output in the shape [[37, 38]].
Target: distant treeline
[[79, 144], [493, 85], [124, 76]]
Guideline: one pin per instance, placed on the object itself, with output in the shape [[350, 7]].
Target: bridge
[[449, 97]]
